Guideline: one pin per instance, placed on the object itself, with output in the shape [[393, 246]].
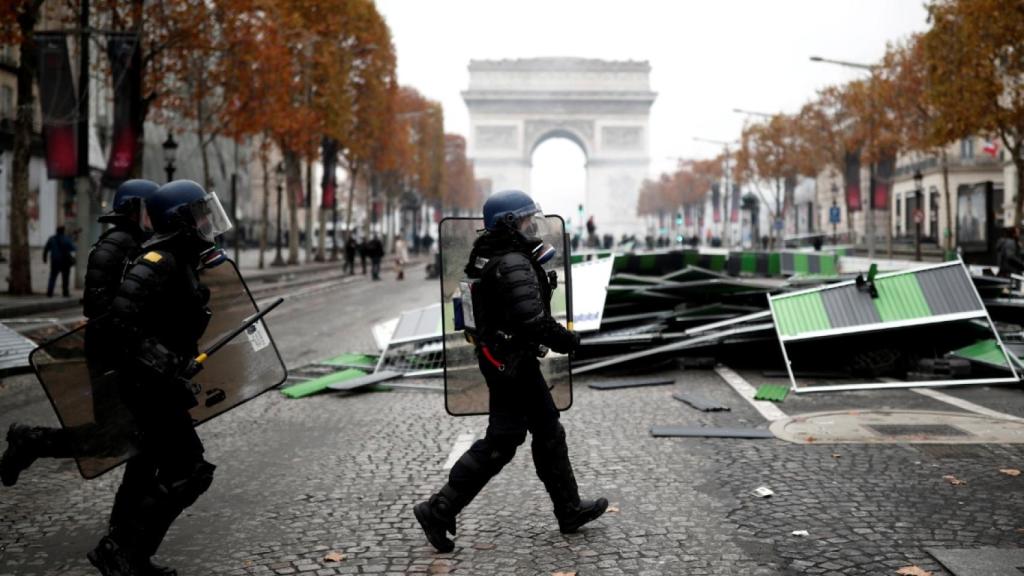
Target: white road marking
[[961, 403], [462, 443], [769, 410]]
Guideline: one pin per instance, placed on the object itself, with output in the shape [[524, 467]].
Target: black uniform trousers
[[518, 405], [166, 476]]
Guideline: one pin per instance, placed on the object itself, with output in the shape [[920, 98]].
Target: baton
[[568, 280], [223, 340]]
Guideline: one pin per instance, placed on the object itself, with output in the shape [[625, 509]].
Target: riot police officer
[[118, 245], [513, 323], [158, 314]]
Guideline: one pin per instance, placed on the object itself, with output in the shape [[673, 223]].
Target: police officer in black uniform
[[116, 247], [159, 313], [513, 323]]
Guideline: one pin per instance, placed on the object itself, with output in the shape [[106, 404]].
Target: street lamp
[[170, 156], [279, 180], [918, 212], [870, 210], [752, 113]]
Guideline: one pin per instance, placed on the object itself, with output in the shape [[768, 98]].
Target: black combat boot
[[551, 460], [112, 560], [25, 444], [437, 517]]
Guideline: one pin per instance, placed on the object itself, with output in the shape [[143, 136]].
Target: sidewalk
[[38, 303]]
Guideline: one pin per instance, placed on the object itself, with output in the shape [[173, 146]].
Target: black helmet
[[184, 205], [130, 200], [508, 207]]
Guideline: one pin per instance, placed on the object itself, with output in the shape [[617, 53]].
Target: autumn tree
[[974, 54]]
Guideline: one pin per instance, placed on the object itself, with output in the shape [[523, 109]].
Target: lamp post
[[918, 212], [869, 212], [170, 156], [279, 180]]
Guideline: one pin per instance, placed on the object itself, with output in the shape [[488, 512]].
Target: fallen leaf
[[247, 563], [913, 571], [612, 508], [954, 480], [837, 456], [563, 574], [1010, 471], [1020, 530], [335, 557], [810, 439]]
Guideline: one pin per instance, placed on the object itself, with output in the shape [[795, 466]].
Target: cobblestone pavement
[[298, 479]]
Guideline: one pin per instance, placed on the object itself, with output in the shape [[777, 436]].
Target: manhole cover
[[898, 427], [917, 430]]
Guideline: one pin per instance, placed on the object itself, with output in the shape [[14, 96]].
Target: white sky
[[707, 57]]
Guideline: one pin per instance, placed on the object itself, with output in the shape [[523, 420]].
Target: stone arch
[[602, 106], [554, 133]]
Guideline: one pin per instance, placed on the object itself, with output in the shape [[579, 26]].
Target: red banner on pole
[[126, 70], [59, 105], [851, 175]]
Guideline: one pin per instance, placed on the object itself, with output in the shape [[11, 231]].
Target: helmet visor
[[144, 222], [210, 217], [535, 225]]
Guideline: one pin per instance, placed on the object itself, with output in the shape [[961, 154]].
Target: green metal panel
[[648, 262], [900, 298], [717, 262], [691, 257], [774, 264], [748, 262], [621, 263], [802, 313], [986, 351], [801, 264], [828, 266]]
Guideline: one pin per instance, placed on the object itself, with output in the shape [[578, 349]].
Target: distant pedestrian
[[351, 247], [427, 242], [60, 252], [401, 256], [375, 251], [1008, 253], [361, 249]]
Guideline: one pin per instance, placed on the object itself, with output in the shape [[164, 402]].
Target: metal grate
[[917, 430], [949, 451]]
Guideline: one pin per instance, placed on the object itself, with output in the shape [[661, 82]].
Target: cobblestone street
[[299, 479]]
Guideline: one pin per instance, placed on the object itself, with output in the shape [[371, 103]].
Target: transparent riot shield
[[465, 387], [78, 375]]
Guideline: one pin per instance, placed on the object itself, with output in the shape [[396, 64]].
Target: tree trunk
[[265, 216], [309, 210], [293, 177], [949, 201], [352, 173], [20, 280], [201, 128]]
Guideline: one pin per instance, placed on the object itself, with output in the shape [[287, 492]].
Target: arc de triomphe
[[603, 106]]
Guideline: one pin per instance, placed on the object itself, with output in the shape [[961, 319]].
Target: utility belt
[[505, 352]]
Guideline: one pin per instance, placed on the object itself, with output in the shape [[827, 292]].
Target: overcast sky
[[707, 57]]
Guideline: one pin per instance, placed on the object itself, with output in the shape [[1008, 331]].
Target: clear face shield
[[144, 221], [535, 225], [210, 217]]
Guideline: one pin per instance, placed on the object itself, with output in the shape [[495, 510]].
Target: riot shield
[[84, 390], [465, 387]]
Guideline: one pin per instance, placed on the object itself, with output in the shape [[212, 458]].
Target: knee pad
[[549, 439], [186, 490]]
